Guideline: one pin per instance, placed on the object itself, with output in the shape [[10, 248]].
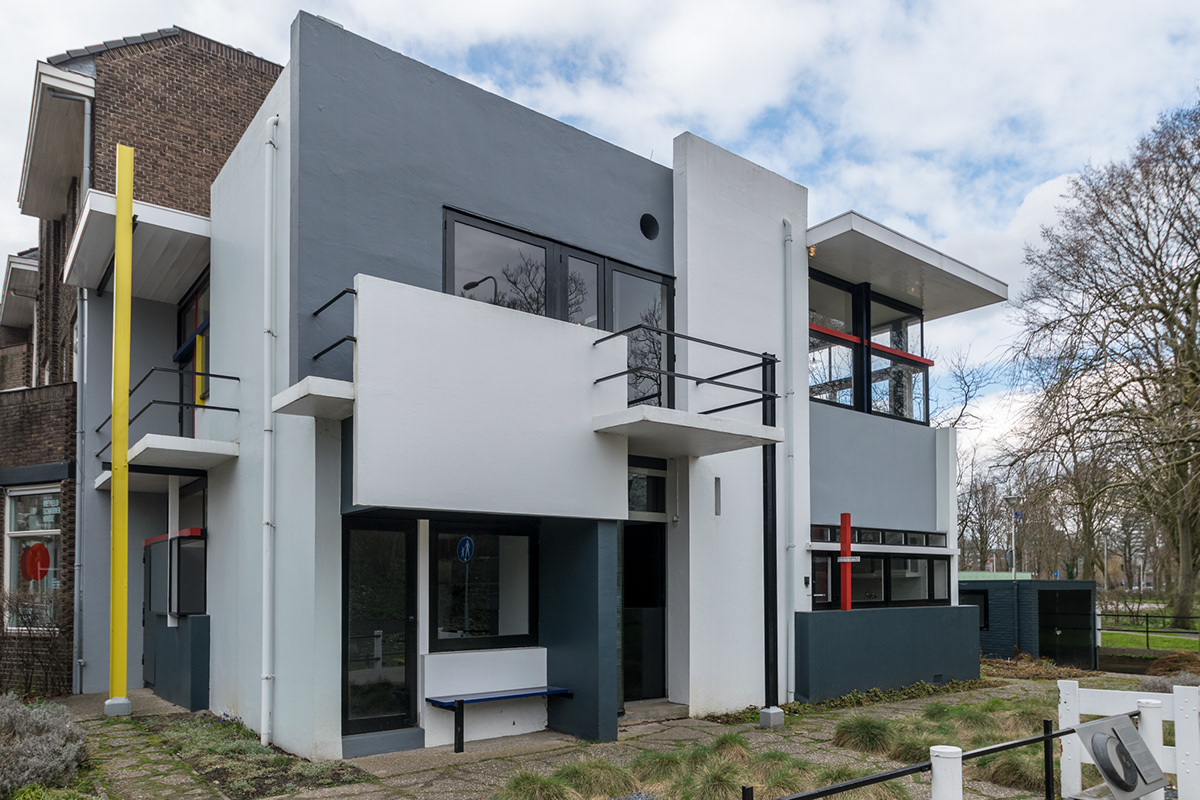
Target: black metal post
[[747, 793], [458, 726], [1147, 631], [770, 558], [1048, 758]]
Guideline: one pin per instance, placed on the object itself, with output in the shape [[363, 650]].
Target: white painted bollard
[[1150, 726], [1072, 750], [947, 772]]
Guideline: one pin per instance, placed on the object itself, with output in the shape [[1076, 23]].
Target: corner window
[[483, 579], [32, 544], [866, 351], [883, 579], [979, 599]]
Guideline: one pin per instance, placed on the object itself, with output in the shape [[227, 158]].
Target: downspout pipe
[[789, 462], [268, 450]]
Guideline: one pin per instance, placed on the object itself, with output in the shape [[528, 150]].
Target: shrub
[[531, 786], [38, 745]]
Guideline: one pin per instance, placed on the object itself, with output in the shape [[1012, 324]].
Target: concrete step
[[652, 711]]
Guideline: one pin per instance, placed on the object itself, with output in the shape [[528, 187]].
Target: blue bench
[[455, 703]]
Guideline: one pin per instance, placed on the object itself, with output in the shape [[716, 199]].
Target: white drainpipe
[[81, 321], [789, 449], [268, 489]]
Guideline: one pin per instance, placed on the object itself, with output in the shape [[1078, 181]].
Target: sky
[[956, 122]]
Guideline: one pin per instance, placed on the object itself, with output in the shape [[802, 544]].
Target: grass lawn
[[1157, 641]]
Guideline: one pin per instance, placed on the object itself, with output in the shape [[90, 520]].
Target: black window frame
[[485, 526], [835, 586], [860, 340], [982, 595]]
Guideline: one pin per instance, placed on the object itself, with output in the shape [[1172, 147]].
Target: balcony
[[163, 430]]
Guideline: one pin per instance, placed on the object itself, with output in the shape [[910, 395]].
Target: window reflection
[[830, 370], [637, 301], [582, 300], [499, 269]]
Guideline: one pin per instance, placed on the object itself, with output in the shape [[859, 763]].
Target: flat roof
[[860, 250], [18, 290]]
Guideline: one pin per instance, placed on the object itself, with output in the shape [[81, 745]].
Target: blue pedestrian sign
[[466, 549]]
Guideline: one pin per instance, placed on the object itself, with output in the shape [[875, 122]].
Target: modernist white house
[[443, 472]]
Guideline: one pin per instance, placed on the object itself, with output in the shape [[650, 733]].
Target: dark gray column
[[577, 598]]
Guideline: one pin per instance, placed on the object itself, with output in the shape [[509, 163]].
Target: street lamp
[[495, 287], [1012, 501]]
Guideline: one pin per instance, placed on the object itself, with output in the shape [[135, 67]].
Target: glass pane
[[648, 493], [33, 581], [941, 579], [831, 371], [896, 329], [822, 533], [915, 539], [937, 540], [830, 307], [34, 512], [482, 585], [822, 579], [377, 624], [910, 579], [637, 301], [582, 299], [897, 387], [870, 537], [499, 270], [866, 581], [893, 537]]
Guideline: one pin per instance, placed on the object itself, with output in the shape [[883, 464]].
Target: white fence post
[[1068, 717], [946, 763], [1150, 726], [1187, 740]]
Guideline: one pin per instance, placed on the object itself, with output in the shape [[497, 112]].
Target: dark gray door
[[644, 610]]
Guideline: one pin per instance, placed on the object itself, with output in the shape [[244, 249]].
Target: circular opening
[[649, 227]]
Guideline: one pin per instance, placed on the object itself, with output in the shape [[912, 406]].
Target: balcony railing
[[651, 381], [189, 384]]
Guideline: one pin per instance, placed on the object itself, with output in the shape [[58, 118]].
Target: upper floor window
[[866, 351], [505, 267]]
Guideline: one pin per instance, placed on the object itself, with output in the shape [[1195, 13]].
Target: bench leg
[[458, 726]]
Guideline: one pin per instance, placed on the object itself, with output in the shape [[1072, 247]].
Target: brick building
[[182, 102]]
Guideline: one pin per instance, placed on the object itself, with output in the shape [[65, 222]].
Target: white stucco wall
[[472, 671], [729, 257], [465, 406]]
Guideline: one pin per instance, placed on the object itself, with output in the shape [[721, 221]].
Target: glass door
[[379, 654]]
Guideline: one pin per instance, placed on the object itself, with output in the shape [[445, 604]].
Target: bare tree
[[1112, 314]]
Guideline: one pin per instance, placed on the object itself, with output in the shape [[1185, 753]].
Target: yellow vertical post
[[118, 642]]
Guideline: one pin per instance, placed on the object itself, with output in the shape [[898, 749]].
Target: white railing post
[[1187, 740], [1150, 726], [946, 763], [1068, 717]]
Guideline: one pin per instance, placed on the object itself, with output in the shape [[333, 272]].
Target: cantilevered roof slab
[[671, 433], [170, 248], [858, 250], [54, 145], [18, 290]]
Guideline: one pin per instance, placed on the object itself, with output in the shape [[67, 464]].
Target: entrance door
[[644, 610], [379, 636], [1065, 627]]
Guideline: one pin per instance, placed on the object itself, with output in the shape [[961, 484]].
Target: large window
[[882, 579], [514, 269], [483, 579], [866, 351], [31, 557]]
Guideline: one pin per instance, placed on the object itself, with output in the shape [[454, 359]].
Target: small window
[[32, 544], [482, 586]]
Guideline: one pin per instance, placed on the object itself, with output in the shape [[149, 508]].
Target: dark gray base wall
[[577, 598], [885, 648], [372, 744], [181, 658]]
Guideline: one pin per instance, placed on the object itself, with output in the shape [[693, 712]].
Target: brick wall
[[182, 102], [14, 366], [37, 426]]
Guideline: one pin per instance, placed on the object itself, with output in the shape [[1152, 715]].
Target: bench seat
[[455, 703]]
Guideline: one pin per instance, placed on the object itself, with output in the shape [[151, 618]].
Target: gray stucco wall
[[837, 651], [883, 471], [577, 602], [381, 143]]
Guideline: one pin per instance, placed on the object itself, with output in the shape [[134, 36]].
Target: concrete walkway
[[135, 766]]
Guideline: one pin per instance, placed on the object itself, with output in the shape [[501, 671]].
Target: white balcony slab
[[170, 248], [671, 433], [141, 482], [323, 398]]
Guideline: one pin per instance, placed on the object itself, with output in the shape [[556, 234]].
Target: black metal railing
[[1147, 625], [650, 358], [325, 305], [183, 376], [1046, 740]]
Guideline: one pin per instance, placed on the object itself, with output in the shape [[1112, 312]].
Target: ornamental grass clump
[[865, 733], [531, 786], [597, 779], [39, 744]]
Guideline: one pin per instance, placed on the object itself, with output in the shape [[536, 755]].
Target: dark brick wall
[[14, 366], [37, 426], [182, 102]]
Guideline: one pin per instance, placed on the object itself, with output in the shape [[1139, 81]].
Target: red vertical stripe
[[845, 564]]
